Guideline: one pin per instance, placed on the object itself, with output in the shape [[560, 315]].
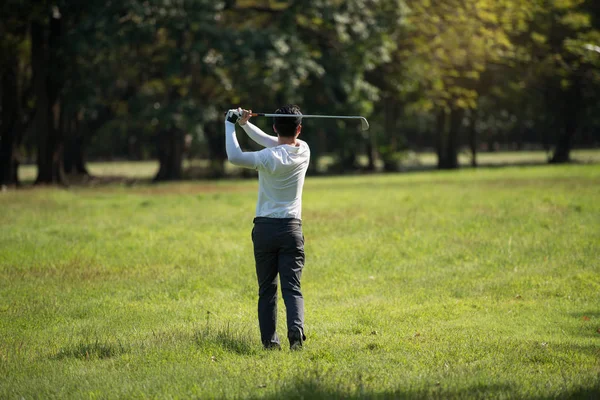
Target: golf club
[[363, 121], [592, 47]]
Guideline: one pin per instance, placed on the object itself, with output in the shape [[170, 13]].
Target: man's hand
[[233, 115], [246, 114]]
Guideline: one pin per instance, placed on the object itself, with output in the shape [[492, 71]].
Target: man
[[277, 234]]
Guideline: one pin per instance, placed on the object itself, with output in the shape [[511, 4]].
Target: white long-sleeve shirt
[[281, 171]]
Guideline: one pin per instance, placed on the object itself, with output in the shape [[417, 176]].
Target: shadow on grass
[[587, 313], [228, 339], [312, 388], [96, 350], [224, 338], [589, 349], [586, 324], [583, 393]]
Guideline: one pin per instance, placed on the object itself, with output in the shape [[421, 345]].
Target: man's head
[[288, 126]]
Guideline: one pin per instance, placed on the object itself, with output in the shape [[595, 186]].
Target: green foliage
[[150, 67], [454, 42]]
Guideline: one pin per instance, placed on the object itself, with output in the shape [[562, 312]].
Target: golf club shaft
[[363, 120], [307, 116]]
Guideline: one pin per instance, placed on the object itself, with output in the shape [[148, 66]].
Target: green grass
[[469, 284]]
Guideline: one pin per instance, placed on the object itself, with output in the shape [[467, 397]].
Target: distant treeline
[[94, 79]]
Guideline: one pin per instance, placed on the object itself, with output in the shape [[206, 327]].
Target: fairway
[[468, 284]]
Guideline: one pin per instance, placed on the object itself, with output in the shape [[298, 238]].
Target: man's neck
[[287, 140]]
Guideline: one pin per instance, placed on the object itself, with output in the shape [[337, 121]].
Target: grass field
[[470, 284]]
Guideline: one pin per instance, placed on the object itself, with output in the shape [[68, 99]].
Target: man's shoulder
[[283, 150], [304, 146], [302, 143]]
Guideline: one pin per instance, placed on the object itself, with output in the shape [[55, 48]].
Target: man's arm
[[254, 132], [258, 135], [234, 153]]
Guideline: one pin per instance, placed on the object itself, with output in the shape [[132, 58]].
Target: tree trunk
[[48, 107], [390, 124], [10, 116], [473, 139], [562, 152], [440, 127], [390, 121], [79, 156], [447, 143], [570, 114], [170, 155], [456, 118], [68, 156], [216, 148], [74, 158], [371, 152], [15, 90], [39, 61], [171, 136], [390, 117]]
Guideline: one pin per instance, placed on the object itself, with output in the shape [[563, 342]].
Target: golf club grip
[[251, 114], [272, 115]]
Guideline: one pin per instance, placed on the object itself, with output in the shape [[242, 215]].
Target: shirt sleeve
[[259, 136], [235, 155]]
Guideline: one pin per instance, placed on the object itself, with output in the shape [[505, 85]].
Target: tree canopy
[[151, 79]]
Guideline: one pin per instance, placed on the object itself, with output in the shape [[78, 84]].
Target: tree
[[450, 45], [364, 35], [552, 48], [15, 87]]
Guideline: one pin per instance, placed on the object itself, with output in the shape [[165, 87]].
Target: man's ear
[[298, 130], [275, 129]]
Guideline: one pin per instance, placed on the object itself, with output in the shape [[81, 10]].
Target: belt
[[267, 220]]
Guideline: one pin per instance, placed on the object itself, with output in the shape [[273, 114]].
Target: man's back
[[281, 172]]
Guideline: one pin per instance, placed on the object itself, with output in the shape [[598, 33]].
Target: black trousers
[[279, 250]]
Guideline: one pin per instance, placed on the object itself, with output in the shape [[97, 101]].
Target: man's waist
[[270, 220]]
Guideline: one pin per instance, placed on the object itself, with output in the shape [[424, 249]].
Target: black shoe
[[296, 340], [296, 345], [271, 346]]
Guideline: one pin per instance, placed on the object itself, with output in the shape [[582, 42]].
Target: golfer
[[277, 234]]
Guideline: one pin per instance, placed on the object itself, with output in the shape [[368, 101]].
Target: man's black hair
[[287, 126]]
